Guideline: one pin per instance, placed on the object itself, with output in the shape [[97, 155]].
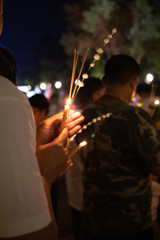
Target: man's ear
[[95, 97], [134, 82]]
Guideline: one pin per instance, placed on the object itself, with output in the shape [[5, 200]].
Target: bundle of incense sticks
[[79, 83], [73, 92]]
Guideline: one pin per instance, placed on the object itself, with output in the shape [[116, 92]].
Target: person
[[90, 92], [147, 96], [122, 148], [155, 203], [40, 106], [143, 90], [29, 162]]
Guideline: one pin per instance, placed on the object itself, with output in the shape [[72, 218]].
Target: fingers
[[62, 138], [74, 130], [69, 165], [49, 129], [73, 116]]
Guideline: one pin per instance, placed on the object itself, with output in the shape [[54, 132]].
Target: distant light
[[24, 88], [37, 89], [30, 93], [58, 84], [149, 78], [156, 102], [43, 86]]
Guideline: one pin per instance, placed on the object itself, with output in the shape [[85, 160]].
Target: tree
[[137, 22]]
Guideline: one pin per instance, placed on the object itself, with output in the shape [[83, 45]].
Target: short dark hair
[[144, 88], [39, 101], [8, 67], [120, 68], [91, 85]]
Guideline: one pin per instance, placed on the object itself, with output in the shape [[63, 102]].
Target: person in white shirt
[[29, 162]]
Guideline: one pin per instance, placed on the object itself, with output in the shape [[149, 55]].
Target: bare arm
[[45, 233]]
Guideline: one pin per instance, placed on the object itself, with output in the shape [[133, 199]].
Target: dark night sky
[[27, 21]]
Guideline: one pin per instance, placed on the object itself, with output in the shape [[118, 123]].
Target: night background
[[42, 35]]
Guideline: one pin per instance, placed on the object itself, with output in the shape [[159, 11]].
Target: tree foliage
[[138, 30]]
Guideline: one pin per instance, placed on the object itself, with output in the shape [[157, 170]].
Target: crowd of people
[[112, 184]]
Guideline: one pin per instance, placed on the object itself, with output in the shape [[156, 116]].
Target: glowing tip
[[156, 102], [83, 143], [68, 101]]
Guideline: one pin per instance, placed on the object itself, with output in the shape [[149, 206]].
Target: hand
[[73, 121], [52, 148], [48, 130], [53, 157]]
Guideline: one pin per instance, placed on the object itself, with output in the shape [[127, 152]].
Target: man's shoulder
[[116, 108], [9, 90]]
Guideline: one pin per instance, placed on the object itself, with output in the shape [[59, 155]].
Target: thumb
[[63, 136]]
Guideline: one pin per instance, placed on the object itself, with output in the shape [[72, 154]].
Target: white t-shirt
[[23, 204]]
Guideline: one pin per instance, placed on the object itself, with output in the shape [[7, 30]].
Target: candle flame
[[68, 101], [156, 102], [82, 143]]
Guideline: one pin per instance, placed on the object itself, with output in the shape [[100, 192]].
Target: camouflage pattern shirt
[[120, 150]]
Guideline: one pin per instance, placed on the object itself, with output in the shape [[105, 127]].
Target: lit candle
[[65, 114], [77, 148], [156, 102]]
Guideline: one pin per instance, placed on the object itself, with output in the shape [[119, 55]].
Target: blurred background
[[42, 36]]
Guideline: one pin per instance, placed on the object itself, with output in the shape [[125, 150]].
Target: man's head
[[121, 74], [143, 90], [8, 66], [40, 107], [90, 92]]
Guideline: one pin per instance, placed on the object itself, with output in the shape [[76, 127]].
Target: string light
[[79, 83], [94, 120]]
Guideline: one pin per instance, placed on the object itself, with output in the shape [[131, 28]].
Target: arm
[[45, 233], [148, 142]]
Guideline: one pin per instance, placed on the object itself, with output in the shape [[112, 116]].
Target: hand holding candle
[[77, 148], [65, 114]]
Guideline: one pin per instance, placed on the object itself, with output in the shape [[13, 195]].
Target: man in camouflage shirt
[[123, 147]]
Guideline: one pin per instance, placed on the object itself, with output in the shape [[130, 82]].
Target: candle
[[77, 148], [65, 114]]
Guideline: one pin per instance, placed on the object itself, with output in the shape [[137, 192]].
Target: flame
[[82, 143]]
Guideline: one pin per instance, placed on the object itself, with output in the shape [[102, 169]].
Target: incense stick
[[73, 72], [84, 59]]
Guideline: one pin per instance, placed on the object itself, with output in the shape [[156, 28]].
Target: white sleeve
[[23, 204]]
